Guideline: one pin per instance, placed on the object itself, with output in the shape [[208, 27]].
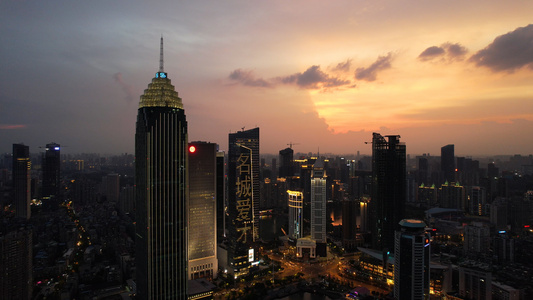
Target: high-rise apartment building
[[51, 171], [202, 216], [318, 206], [411, 261], [161, 190], [22, 180], [296, 212], [447, 163], [387, 204]]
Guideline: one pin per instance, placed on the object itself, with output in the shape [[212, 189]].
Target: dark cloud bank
[[445, 51], [370, 73], [508, 52]]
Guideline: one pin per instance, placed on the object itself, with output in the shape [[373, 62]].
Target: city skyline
[[321, 76]]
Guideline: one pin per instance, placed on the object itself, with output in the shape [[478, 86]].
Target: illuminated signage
[[250, 255], [243, 193]]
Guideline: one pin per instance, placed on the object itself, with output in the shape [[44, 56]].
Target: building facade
[[387, 205], [411, 261], [22, 180], [202, 216], [243, 201], [51, 171], [318, 202], [296, 207], [161, 190], [447, 163]]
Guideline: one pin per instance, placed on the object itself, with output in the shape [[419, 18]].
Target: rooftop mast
[[161, 56]]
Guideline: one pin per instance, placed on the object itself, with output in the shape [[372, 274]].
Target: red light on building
[[526, 226], [192, 149]]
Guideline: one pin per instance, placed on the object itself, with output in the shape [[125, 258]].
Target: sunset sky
[[322, 75]]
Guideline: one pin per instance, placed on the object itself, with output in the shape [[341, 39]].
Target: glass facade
[[161, 189]]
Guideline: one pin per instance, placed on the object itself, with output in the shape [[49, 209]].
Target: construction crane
[[291, 143]]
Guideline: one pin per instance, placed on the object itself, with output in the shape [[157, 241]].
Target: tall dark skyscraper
[[22, 180], [51, 170], [161, 189], [286, 167], [221, 196], [411, 261], [387, 205], [247, 139], [447, 163], [202, 217], [243, 200]]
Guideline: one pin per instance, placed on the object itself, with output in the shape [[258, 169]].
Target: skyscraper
[[318, 206], [243, 200], [202, 210], [221, 196], [388, 189], [411, 261], [161, 189], [22, 180], [246, 139], [286, 167], [296, 212], [51, 170], [447, 163]]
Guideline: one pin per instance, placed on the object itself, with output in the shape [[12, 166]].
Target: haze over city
[[323, 76]]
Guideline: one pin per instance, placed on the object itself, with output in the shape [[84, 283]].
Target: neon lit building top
[[160, 92]]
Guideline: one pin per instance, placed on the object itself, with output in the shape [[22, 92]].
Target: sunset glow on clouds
[[323, 75]]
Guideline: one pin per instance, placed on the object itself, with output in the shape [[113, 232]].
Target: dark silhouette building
[[447, 163], [161, 190], [286, 164], [221, 196], [411, 261], [51, 171], [22, 180], [16, 248], [387, 204]]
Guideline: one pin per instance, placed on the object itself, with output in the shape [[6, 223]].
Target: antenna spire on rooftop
[[161, 56]]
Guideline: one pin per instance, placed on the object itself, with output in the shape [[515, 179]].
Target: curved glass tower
[[160, 179]]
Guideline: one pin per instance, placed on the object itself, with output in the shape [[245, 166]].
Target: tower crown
[[160, 92]]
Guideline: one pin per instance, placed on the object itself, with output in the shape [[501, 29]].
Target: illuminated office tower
[[411, 261], [243, 200], [387, 205], [296, 207], [51, 170], [161, 190], [248, 139], [318, 205], [22, 180], [202, 210]]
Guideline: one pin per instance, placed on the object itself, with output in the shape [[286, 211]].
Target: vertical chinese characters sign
[[243, 187]]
